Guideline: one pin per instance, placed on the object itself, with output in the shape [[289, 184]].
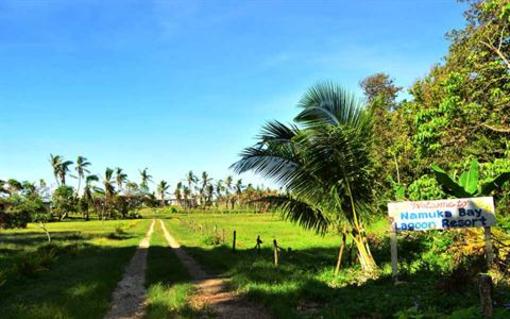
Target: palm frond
[[299, 212]]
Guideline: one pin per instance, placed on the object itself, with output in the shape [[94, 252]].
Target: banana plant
[[468, 184]]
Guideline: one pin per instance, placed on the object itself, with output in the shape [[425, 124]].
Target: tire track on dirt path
[[129, 296], [213, 293]]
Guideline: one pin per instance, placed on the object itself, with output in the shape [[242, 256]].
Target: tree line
[[112, 195]]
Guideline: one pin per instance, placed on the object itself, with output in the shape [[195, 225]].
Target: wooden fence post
[[234, 242], [275, 244], [257, 246], [223, 235], [485, 290], [489, 254], [394, 256]]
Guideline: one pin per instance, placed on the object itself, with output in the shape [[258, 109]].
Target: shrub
[[32, 263], [19, 210]]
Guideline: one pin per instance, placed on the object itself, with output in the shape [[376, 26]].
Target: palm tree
[[186, 192], [146, 178], [219, 191], [205, 182], [191, 179], [209, 193], [56, 161], [178, 193], [109, 189], [60, 168], [162, 191], [81, 169], [228, 187], [239, 190], [87, 193], [323, 163], [120, 178]]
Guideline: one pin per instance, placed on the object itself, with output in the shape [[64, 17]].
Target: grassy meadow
[[304, 285], [74, 276]]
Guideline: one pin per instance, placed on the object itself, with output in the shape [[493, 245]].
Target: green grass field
[[304, 285], [75, 276]]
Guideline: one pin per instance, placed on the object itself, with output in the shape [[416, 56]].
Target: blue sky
[[180, 85]]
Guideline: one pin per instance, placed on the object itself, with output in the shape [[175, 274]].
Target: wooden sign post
[[394, 256], [441, 214]]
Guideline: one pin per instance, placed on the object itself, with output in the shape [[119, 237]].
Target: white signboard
[[442, 214]]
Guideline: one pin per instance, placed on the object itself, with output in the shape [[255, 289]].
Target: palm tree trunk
[[340, 253], [359, 237]]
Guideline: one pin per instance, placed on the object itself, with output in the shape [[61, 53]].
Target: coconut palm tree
[[109, 189], [178, 193], [191, 179], [206, 180], [120, 178], [163, 188], [209, 193], [323, 163], [186, 194], [228, 188], [56, 161], [146, 178], [60, 168], [81, 170], [219, 191], [239, 190], [87, 197]]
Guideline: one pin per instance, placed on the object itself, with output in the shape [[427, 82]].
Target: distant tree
[[56, 162], [120, 178], [381, 91], [228, 189], [186, 194], [14, 186], [109, 191], [64, 170], [209, 193], [206, 180], [163, 188], [191, 179], [239, 187], [178, 193], [63, 201], [87, 199], [146, 178], [81, 170], [219, 190]]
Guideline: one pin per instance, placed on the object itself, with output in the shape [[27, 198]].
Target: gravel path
[[129, 296], [213, 293]]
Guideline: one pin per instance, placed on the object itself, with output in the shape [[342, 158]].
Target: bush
[[14, 219], [19, 211], [31, 264]]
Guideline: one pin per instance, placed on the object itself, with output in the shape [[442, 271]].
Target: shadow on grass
[[304, 286]]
